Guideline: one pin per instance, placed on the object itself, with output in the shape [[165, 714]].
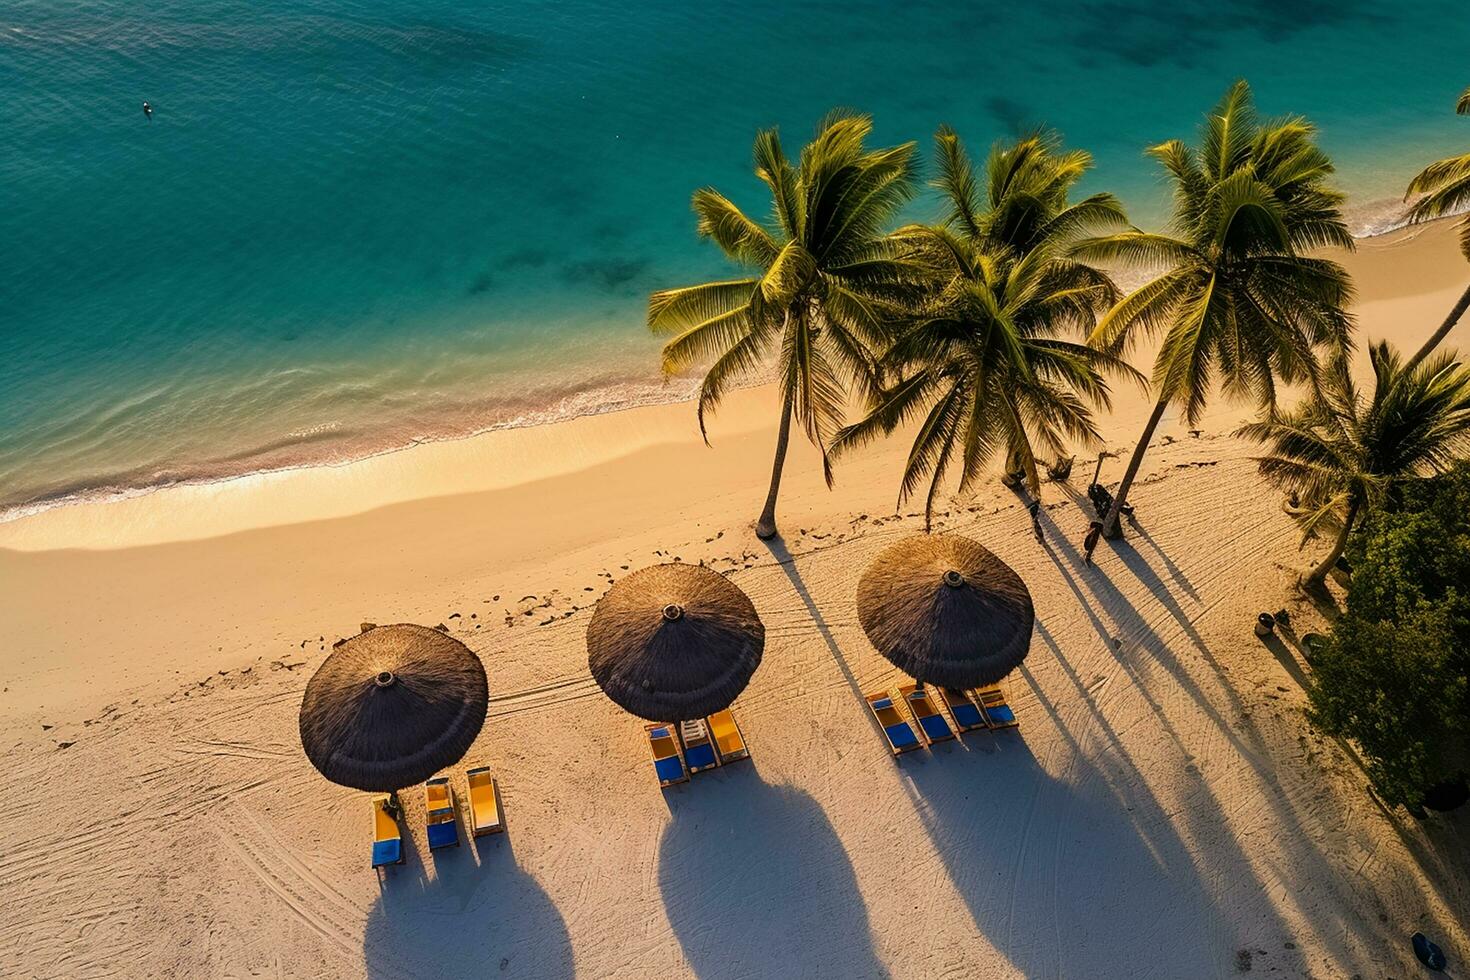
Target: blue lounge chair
[[900, 736], [966, 713], [926, 713], [699, 752], [443, 825], [387, 835], [998, 713], [666, 761]]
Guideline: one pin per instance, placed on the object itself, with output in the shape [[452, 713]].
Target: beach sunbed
[[965, 712], [443, 828], [699, 751], [992, 701], [666, 761], [900, 734], [484, 802], [926, 713], [387, 835], [729, 741]]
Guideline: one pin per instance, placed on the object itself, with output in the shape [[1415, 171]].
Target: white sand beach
[[1164, 809]]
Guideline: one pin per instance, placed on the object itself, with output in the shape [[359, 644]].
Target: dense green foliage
[[982, 357], [1395, 673]]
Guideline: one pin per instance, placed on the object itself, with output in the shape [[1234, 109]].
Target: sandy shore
[[1164, 809]]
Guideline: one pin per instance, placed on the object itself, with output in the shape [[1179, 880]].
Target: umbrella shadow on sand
[[756, 883], [1065, 878], [479, 915]]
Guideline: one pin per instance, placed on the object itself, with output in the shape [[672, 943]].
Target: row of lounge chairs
[[688, 747], [441, 803], [964, 711]]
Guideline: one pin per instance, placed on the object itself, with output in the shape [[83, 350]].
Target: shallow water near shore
[[350, 227]]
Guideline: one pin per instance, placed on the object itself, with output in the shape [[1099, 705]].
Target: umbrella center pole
[[953, 579], [673, 611], [385, 679]]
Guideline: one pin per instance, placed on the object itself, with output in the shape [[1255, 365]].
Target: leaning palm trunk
[[1317, 577], [765, 528], [1444, 328], [1111, 526]]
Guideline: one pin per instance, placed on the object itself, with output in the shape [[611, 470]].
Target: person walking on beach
[[1094, 531], [1035, 510]]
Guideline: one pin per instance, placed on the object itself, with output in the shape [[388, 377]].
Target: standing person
[[1035, 509], [148, 111], [1094, 531]]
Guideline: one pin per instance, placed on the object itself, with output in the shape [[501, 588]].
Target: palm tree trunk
[[1317, 577], [1444, 328], [765, 528], [1111, 527]]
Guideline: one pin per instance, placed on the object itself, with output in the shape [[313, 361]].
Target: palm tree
[[1342, 452], [1238, 299], [1445, 186], [827, 280], [981, 357]]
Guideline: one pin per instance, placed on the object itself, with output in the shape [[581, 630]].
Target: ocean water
[[350, 226]]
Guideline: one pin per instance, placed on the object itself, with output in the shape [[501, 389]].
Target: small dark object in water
[[1429, 954], [148, 111]]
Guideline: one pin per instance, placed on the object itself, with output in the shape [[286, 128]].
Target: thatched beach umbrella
[[946, 611], [392, 706], [674, 642]]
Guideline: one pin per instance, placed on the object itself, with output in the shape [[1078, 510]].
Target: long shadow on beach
[[1057, 874], [756, 883], [471, 919]]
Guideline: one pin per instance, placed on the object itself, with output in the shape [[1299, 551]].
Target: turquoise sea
[[350, 226]]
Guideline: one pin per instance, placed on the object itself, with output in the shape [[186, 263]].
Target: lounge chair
[[729, 741], [484, 802], [439, 802], [387, 835], [926, 713], [992, 701], [666, 761], [699, 752], [896, 730], [966, 713]]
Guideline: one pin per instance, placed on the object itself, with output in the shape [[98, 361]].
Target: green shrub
[[1394, 675]]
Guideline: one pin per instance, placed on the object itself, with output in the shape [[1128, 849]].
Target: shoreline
[[157, 649], [631, 393]]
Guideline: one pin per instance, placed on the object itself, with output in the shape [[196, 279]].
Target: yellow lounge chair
[[485, 817], [992, 701], [387, 835], [896, 729], [932, 725], [443, 828], [729, 741]]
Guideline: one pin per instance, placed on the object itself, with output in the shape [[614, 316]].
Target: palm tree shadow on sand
[[756, 883], [480, 915], [1063, 877]]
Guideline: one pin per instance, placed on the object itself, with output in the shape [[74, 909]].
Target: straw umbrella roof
[[946, 611], [392, 706], [674, 642]]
